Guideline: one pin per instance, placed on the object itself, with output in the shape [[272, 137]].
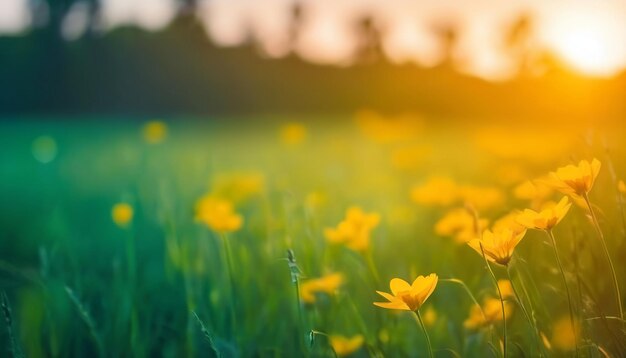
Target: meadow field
[[370, 236]]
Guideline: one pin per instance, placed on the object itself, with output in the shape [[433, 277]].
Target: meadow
[[271, 238]]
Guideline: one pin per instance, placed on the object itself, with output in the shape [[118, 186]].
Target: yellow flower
[[508, 221], [293, 133], [408, 297], [547, 218], [498, 246], [238, 186], [344, 346], [492, 309], [122, 214], [435, 191], [354, 230], [621, 186], [576, 180], [154, 132], [536, 191], [563, 337], [460, 224], [218, 214], [430, 316], [506, 289], [326, 284]]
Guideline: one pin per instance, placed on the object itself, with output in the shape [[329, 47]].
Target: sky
[[588, 35]]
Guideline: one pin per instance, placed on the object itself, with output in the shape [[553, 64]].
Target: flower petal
[[398, 285]]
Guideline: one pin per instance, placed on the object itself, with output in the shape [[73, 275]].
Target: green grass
[[79, 285]]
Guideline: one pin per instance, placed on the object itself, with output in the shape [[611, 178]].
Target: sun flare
[[588, 43]]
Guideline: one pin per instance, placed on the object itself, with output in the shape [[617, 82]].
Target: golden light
[[589, 43]]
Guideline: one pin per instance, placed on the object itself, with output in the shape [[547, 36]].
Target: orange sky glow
[[588, 36]]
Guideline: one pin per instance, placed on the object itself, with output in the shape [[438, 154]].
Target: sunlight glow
[[591, 42], [589, 37]]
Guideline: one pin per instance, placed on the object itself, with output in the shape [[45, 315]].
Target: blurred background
[[118, 117], [486, 58]]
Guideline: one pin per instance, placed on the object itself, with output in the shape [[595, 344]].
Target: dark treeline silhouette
[[177, 70]]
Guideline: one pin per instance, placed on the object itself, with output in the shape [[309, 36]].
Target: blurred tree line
[[178, 70]]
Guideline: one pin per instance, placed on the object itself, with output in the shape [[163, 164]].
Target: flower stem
[[131, 259], [606, 253], [569, 297], [495, 282], [421, 323], [295, 279], [469, 293], [532, 323], [233, 296], [372, 267]]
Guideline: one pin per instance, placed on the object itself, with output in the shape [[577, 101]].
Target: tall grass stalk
[[314, 333], [233, 295], [495, 282], [207, 336], [531, 321], [372, 267], [418, 316], [605, 248], [620, 198], [131, 262], [8, 318], [603, 317], [473, 298], [569, 296], [294, 271], [88, 321]]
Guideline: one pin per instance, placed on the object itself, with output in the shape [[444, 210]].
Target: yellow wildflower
[[547, 218], [354, 230], [344, 346], [498, 246], [621, 186], [435, 191], [122, 214], [576, 179], [238, 186], [506, 289], [563, 337], [218, 214], [293, 133], [430, 316], [492, 309], [535, 191], [408, 297], [154, 132], [460, 224], [508, 221], [326, 284]]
